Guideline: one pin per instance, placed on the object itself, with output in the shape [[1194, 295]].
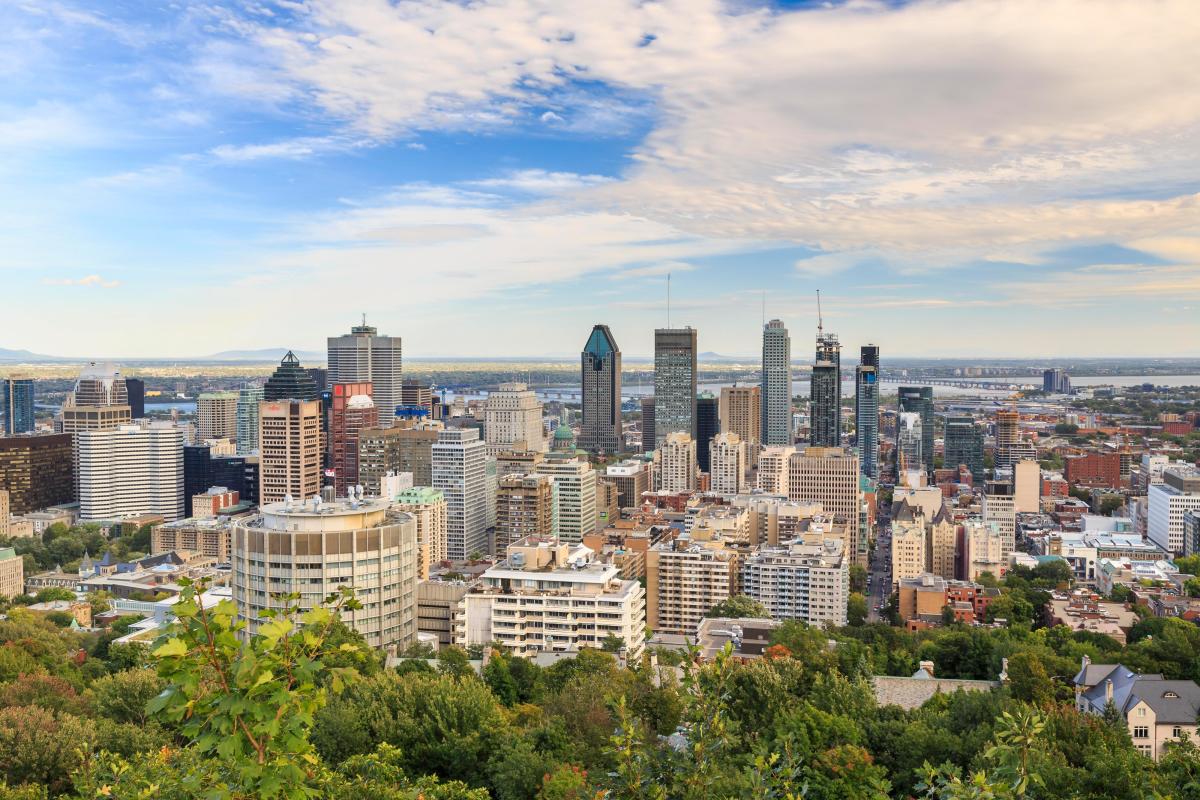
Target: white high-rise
[[247, 419], [1167, 502], [800, 581], [133, 469], [364, 356], [460, 470], [776, 385], [513, 420], [727, 464], [216, 416], [1000, 510], [773, 469], [675, 463], [575, 494]]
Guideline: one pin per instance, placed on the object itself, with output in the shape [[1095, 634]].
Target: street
[[880, 570]]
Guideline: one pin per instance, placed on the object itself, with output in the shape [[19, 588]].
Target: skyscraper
[[575, 494], [727, 472], [866, 410], [776, 384], [247, 418], [36, 471], [910, 438], [216, 416], [1008, 429], [919, 400], [708, 425], [1056, 381], [364, 356], [648, 441], [133, 469], [600, 379], [351, 411], [460, 471], [290, 381], [830, 476], [740, 412], [674, 382], [524, 507], [289, 440], [964, 445], [136, 389], [513, 420], [16, 406], [675, 464]]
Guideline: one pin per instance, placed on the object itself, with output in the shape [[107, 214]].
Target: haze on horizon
[[1000, 178]]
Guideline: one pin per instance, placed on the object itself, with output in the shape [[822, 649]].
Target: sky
[[983, 177]]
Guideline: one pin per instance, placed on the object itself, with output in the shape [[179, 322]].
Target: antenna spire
[[668, 300], [820, 321], [764, 307]]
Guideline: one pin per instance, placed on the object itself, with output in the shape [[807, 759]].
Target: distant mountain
[[24, 355], [717, 357], [265, 354]]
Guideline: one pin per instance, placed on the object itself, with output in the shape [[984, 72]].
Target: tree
[[856, 610], [38, 746], [455, 662], [1111, 503], [54, 593], [613, 643], [125, 696], [737, 607], [858, 578], [1028, 679], [1192, 587], [249, 700]]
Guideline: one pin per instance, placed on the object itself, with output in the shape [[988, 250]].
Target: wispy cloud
[[540, 181], [94, 281]]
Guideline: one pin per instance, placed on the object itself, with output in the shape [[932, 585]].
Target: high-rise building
[[908, 555], [525, 506], [1008, 427], [312, 549], [100, 385], [919, 400], [134, 469], [983, 550], [727, 471], [708, 425], [416, 396], [202, 471], [740, 412], [830, 476], [773, 469], [1056, 381], [674, 382], [600, 382], [428, 507], [776, 384], [964, 445], [290, 381], [289, 439], [407, 447], [216, 416], [648, 439], [351, 411], [135, 388], [810, 583], [36, 471], [632, 478], [16, 406], [941, 544], [1000, 510], [675, 464], [363, 356], [866, 410], [1027, 486], [460, 470], [513, 420], [575, 490], [684, 579], [12, 573], [1167, 503], [910, 443], [825, 392], [248, 399]]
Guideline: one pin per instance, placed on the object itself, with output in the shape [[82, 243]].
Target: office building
[[290, 381], [518, 462], [100, 385], [910, 440], [866, 410], [351, 411], [575, 489], [1167, 503], [824, 410], [919, 400], [740, 412], [202, 470], [210, 536], [810, 583], [674, 382], [428, 508], [773, 464], [1094, 470], [460, 471], [513, 420], [548, 596], [1027, 487], [675, 464], [776, 384], [417, 397], [908, 544], [708, 425], [963, 444], [608, 503], [12, 573], [289, 438], [16, 406], [647, 417], [830, 476], [727, 471], [1056, 381], [216, 416], [685, 577], [1008, 425], [632, 477], [135, 390], [1000, 510], [525, 506], [406, 447], [600, 384], [363, 356], [248, 399], [36, 471], [983, 550], [312, 549], [134, 469], [212, 502]]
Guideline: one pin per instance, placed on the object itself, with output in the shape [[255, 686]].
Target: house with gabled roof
[[1158, 711]]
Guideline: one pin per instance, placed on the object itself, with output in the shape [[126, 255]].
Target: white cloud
[[95, 281], [540, 181], [656, 270], [298, 148]]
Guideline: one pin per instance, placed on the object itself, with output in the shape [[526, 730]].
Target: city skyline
[[977, 168]]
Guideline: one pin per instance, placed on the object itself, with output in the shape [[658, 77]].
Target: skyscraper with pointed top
[[600, 379], [825, 407], [776, 385], [363, 356], [290, 381]]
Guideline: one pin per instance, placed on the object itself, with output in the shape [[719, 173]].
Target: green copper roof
[[420, 495], [563, 432]]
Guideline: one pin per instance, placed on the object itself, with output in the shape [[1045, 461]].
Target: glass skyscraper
[[674, 382], [919, 400], [247, 419], [708, 425], [600, 382], [825, 407], [776, 385], [964, 445], [866, 410], [16, 406], [290, 382]]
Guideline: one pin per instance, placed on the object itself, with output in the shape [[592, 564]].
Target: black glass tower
[[291, 382], [919, 400], [16, 406], [708, 425], [600, 382]]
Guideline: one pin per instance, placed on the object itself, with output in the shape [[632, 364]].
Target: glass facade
[[674, 382], [16, 406], [919, 400]]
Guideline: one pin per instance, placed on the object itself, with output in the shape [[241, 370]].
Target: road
[[880, 570]]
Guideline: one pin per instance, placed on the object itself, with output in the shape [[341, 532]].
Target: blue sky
[[1009, 177]]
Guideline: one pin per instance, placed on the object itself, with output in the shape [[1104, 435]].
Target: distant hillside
[[24, 355], [265, 354]]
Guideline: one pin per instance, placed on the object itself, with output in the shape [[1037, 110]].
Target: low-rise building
[[1111, 573], [923, 600], [442, 610], [1157, 711], [12, 573], [1082, 610]]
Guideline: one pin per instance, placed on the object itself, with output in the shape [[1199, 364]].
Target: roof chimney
[[1108, 691], [928, 667]]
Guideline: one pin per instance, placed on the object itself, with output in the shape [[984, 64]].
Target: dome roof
[[564, 432]]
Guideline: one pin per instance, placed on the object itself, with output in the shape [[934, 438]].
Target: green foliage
[[856, 610], [125, 696], [40, 747], [858, 578], [737, 607]]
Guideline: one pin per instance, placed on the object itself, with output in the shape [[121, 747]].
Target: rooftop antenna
[[364, 319], [764, 307], [668, 300], [820, 321]]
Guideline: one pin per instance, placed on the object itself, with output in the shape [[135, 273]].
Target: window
[[1141, 732], [1177, 731], [1141, 712]]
